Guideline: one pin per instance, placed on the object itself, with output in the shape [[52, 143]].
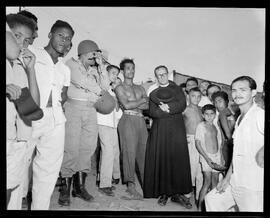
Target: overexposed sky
[[218, 44]]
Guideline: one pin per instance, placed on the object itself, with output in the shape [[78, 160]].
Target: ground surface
[[105, 203]]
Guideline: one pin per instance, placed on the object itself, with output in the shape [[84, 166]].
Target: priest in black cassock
[[167, 166]]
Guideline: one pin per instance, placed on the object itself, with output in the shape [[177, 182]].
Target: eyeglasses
[[161, 75]]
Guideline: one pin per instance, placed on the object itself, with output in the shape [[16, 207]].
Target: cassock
[[167, 166]]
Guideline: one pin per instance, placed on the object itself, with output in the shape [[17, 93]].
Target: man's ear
[[253, 92], [50, 35]]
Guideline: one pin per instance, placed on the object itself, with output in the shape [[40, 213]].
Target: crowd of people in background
[[197, 145]]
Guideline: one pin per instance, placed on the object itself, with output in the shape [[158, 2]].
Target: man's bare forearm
[[33, 86], [144, 106], [129, 105]]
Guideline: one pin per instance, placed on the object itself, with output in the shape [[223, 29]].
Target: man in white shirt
[[107, 127], [243, 183], [21, 75], [52, 75], [30, 149]]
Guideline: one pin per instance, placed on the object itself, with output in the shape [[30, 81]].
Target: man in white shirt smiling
[[243, 183]]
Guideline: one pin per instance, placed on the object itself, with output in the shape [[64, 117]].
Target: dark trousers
[[133, 137]]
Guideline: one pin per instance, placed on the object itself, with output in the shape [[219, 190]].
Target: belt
[[134, 113], [79, 102]]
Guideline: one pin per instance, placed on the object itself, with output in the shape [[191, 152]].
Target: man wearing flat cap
[[167, 167], [81, 126]]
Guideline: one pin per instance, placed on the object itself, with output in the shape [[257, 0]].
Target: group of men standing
[[65, 138]]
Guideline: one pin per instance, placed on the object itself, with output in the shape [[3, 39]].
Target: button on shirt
[[51, 78], [84, 83], [248, 139]]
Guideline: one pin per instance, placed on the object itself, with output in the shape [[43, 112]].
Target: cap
[[87, 46]]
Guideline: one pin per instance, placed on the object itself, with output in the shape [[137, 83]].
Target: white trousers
[[48, 159], [245, 199], [28, 167], [193, 157], [109, 161], [16, 161]]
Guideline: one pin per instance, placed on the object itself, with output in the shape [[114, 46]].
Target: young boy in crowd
[[192, 117], [208, 141], [203, 87], [191, 82], [107, 130], [226, 123]]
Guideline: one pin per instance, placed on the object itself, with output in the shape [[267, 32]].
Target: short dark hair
[[210, 86], [126, 61], [221, 94], [183, 85], [203, 81], [161, 66], [109, 67], [28, 14], [14, 20], [208, 107], [252, 83], [192, 79], [195, 89], [61, 24]]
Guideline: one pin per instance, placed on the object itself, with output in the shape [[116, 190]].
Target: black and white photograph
[[135, 109]]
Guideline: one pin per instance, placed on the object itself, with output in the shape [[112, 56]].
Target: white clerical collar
[[164, 85]]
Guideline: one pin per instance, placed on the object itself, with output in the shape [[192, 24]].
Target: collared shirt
[[248, 138], [51, 78], [84, 84]]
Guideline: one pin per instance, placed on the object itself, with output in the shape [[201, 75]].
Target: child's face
[[209, 116], [203, 86], [190, 84], [220, 103], [195, 97], [113, 74], [211, 91]]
